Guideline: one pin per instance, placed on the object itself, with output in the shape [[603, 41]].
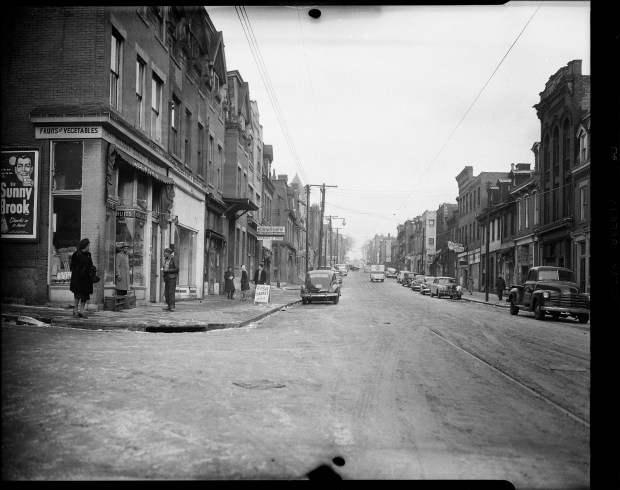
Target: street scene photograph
[[298, 242]]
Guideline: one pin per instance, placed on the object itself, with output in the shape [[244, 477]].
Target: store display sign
[[262, 294], [20, 172], [55, 132]]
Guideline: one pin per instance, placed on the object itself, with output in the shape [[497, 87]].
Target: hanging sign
[[262, 294], [270, 230], [456, 247], [20, 194]]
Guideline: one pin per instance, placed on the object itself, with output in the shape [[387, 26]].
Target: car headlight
[[545, 295]]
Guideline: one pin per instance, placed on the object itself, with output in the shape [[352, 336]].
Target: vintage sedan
[[415, 280], [445, 286], [425, 286], [321, 285], [400, 275]]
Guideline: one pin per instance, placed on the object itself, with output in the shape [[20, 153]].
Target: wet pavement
[[190, 315]]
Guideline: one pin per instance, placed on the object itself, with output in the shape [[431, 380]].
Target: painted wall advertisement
[[20, 194]]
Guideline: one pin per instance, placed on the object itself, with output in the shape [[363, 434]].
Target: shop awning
[[124, 157], [236, 204]]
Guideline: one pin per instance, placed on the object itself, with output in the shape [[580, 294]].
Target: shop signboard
[[456, 247], [262, 294], [268, 231], [20, 172]]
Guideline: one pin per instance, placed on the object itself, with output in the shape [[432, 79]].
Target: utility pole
[[337, 254], [322, 186], [307, 221], [488, 238], [330, 218]]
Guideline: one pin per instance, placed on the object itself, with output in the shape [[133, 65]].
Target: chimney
[[283, 177]]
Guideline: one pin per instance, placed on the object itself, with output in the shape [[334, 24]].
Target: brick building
[[118, 108]]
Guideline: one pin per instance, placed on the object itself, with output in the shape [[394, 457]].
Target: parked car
[[553, 291], [415, 281], [321, 285], [425, 286], [445, 286], [400, 275], [390, 272], [342, 269], [406, 279]]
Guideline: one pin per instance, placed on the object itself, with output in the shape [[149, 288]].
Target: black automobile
[[321, 285]]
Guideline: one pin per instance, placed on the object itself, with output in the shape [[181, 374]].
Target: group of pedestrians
[[83, 274], [260, 277]]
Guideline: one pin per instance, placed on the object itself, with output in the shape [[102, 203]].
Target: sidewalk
[[196, 315], [479, 297]]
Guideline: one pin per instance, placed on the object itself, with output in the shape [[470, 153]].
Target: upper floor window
[[187, 145], [526, 212], [431, 241], [140, 73], [200, 151], [175, 106], [156, 116], [210, 162], [116, 61], [556, 147], [431, 222], [583, 203], [566, 144], [583, 145]]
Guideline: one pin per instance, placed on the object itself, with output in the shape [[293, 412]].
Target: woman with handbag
[[245, 283], [83, 274]]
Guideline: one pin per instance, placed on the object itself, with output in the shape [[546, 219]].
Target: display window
[[66, 205], [130, 230], [184, 254]]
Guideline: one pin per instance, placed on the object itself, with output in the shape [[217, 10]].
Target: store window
[[66, 207], [185, 257]]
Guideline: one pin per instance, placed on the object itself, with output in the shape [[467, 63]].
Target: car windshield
[[419, 278], [429, 279], [556, 275], [445, 280]]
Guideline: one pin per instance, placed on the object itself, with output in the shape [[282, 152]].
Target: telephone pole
[[322, 186], [330, 218]]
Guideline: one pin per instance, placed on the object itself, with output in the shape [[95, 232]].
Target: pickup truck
[[377, 272], [550, 290]]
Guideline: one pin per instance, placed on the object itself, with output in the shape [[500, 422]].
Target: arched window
[[546, 164]]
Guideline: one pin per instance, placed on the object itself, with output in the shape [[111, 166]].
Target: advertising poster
[[20, 194]]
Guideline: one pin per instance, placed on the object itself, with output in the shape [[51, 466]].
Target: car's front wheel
[[538, 312], [304, 301], [337, 300]]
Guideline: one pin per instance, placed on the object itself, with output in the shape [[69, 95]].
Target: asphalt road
[[388, 384]]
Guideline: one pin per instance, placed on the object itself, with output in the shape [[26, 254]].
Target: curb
[[139, 325], [507, 305]]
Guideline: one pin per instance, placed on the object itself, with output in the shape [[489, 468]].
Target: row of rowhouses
[[124, 125], [527, 216]]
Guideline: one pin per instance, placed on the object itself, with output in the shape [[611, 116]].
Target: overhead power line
[[470, 107], [258, 59]]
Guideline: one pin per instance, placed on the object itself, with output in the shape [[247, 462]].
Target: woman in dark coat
[[229, 285], [81, 283], [245, 282]]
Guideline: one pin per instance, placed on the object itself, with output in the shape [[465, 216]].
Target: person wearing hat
[[122, 269], [171, 270], [81, 284]]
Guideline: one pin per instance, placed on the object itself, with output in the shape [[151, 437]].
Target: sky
[[390, 103]]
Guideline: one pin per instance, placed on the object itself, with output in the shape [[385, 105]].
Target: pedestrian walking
[[470, 284], [500, 285], [245, 283], [122, 269], [229, 285], [171, 271], [81, 284], [260, 276]]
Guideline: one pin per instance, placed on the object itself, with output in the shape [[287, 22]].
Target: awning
[[124, 157], [238, 204]]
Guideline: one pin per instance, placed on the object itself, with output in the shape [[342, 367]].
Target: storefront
[[103, 189], [215, 247]]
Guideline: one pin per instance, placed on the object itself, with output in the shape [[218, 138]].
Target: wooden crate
[[114, 303], [130, 301]]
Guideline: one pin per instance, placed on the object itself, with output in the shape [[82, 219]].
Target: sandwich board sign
[[262, 295]]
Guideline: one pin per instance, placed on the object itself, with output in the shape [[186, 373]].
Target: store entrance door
[[154, 283]]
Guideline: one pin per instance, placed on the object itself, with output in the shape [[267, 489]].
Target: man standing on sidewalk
[[470, 284], [170, 270], [500, 285]]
